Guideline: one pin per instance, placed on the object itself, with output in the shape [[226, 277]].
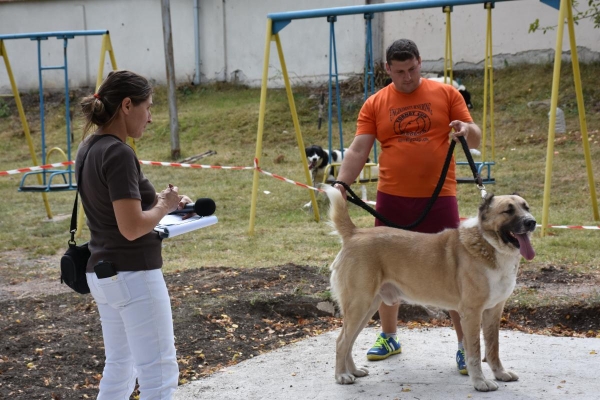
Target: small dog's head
[[467, 96], [314, 156], [507, 218]]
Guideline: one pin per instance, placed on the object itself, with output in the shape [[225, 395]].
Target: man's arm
[[354, 160]]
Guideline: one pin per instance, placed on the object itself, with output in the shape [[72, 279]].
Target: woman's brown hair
[[101, 108]]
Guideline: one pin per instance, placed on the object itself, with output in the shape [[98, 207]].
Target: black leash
[[354, 199]]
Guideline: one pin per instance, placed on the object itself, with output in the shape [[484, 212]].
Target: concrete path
[[548, 368]]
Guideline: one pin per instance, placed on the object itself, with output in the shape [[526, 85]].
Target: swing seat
[[67, 183], [481, 165]]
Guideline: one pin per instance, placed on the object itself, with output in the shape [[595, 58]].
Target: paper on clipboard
[[174, 225]]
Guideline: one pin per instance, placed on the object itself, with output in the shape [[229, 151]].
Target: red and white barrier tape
[[592, 227], [180, 165], [281, 178], [37, 168], [256, 167]]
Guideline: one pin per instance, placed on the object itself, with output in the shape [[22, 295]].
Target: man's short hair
[[402, 50]]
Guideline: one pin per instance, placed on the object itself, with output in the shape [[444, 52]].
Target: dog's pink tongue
[[525, 246]]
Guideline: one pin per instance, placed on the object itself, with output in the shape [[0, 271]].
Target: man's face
[[406, 75]]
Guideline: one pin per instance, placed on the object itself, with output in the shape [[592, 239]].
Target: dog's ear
[[485, 204], [516, 194]]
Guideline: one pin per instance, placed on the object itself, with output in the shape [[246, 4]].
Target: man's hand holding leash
[[469, 130]]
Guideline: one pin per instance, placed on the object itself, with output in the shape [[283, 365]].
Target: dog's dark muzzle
[[530, 224]]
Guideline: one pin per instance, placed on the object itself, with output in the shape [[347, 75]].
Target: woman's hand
[[169, 198], [183, 200]]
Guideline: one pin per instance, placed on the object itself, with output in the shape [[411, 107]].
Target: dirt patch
[[52, 347]]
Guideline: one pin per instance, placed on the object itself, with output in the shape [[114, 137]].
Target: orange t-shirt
[[413, 130]]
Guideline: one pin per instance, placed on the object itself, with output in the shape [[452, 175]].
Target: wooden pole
[[171, 83]]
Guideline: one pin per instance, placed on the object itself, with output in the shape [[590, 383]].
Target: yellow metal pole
[[111, 52], [106, 46], [581, 109], [448, 53], [553, 104], [299, 139], [491, 77], [486, 78], [19, 104], [261, 121], [103, 48]]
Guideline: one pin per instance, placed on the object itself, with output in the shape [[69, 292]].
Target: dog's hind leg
[[491, 329], [357, 313], [470, 318], [350, 366]]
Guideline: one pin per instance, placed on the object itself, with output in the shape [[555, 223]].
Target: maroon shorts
[[406, 210]]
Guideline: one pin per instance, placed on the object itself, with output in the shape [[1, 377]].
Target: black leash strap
[[354, 199]]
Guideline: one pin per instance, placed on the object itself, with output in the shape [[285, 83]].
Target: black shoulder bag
[[73, 263]]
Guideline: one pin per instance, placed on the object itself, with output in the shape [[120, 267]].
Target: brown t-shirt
[[112, 172]]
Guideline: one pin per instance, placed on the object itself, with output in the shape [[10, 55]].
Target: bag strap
[[73, 228]]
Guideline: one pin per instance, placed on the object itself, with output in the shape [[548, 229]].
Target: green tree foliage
[[592, 13]]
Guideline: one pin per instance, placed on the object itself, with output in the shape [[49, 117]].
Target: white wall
[[136, 33], [232, 38], [511, 41]]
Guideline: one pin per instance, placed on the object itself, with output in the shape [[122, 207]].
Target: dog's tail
[[338, 213]]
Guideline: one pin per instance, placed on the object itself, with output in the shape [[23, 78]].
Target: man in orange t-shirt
[[413, 119]]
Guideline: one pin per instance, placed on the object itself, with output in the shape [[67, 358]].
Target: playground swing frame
[[565, 13], [484, 168], [277, 22], [46, 177]]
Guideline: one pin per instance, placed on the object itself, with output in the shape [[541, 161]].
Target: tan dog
[[471, 269]]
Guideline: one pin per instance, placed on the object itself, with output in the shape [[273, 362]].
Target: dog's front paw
[[345, 378], [506, 376], [485, 385]]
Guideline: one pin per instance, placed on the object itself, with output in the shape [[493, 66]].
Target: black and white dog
[[461, 88], [318, 159]]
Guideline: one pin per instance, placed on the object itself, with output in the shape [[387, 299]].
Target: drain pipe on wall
[[197, 40]]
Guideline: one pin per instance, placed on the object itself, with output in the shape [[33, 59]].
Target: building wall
[[232, 38], [511, 41]]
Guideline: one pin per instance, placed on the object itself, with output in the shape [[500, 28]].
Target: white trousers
[[137, 326]]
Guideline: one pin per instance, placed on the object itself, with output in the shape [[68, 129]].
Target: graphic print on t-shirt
[[412, 123]]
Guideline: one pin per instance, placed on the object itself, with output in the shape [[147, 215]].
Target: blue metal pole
[[67, 109], [41, 94], [369, 67], [367, 54], [371, 8], [337, 97], [57, 34], [331, 21]]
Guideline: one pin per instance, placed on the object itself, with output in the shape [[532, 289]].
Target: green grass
[[224, 118]]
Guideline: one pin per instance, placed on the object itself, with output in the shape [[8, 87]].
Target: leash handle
[[476, 176]]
